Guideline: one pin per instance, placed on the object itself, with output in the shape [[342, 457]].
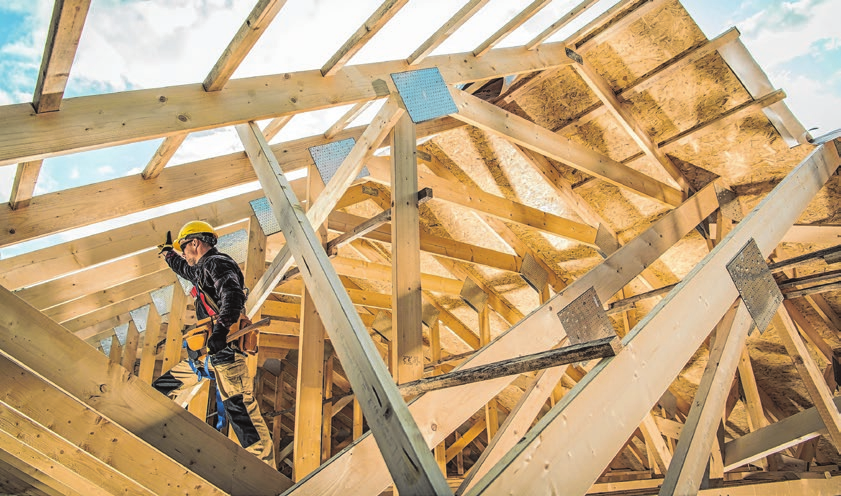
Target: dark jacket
[[218, 276]]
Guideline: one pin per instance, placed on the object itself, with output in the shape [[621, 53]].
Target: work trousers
[[235, 388]]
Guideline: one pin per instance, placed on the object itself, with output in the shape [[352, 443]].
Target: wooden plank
[[775, 437], [82, 324], [387, 414], [174, 328], [692, 454], [352, 267], [89, 434], [275, 126], [163, 155], [560, 23], [23, 186], [829, 235], [78, 368], [126, 117], [529, 135], [130, 348], [246, 37], [150, 340], [327, 410], [446, 30], [627, 121], [308, 391], [383, 14], [345, 120], [468, 437], [407, 343], [809, 372], [589, 447], [448, 409], [62, 41], [116, 352], [527, 13], [811, 487], [493, 205]]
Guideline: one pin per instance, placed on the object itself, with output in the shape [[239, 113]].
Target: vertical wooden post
[[150, 342], [255, 265], [407, 348], [491, 412], [130, 349], [280, 404], [440, 450], [172, 348], [116, 350], [327, 410], [308, 408], [357, 419]]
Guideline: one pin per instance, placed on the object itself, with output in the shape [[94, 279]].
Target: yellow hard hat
[[195, 229]]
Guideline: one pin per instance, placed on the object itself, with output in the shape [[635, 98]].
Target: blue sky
[[129, 44]]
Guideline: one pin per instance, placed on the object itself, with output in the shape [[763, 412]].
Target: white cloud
[[815, 103]]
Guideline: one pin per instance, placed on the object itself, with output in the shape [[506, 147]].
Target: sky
[[133, 44]]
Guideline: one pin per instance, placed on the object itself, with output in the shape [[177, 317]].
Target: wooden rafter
[[383, 14], [62, 41], [23, 186], [527, 13], [245, 38], [446, 30], [163, 155], [560, 23]]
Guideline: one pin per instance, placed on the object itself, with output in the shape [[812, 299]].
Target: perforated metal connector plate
[[425, 94], [140, 316], [473, 295], [328, 157], [584, 319], [162, 298], [533, 273], [265, 216], [756, 285], [728, 202]]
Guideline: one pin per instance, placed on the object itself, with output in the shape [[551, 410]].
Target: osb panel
[[559, 99], [696, 93], [630, 53]]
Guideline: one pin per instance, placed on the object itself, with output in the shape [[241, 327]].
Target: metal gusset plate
[[122, 333], [425, 94], [265, 216], [329, 156], [234, 244], [429, 315], [755, 283], [728, 202], [473, 295], [162, 298], [584, 319], [533, 273], [140, 316]]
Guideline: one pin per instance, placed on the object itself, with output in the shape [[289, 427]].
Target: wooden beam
[[692, 454], [24, 183], [130, 348], [560, 24], [527, 13], [127, 117], [496, 206], [163, 155], [627, 121], [150, 341], [387, 414], [446, 30], [80, 325], [275, 126], [246, 37], [352, 267], [308, 391], [809, 372], [79, 369], [775, 437], [383, 14], [116, 352], [605, 434], [174, 328], [468, 437], [407, 344], [358, 467], [493, 119], [62, 41], [345, 120]]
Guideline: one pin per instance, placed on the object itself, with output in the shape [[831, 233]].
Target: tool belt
[[242, 335]]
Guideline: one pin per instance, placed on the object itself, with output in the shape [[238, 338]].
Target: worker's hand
[[167, 245], [218, 339]]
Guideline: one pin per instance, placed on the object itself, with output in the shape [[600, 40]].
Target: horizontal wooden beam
[[127, 117]]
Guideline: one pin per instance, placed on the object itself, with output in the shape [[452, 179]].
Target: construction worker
[[219, 291]]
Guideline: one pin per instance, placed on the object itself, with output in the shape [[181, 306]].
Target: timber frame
[[401, 292]]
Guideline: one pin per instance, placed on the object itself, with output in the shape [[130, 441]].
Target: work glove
[[167, 245], [218, 338]]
